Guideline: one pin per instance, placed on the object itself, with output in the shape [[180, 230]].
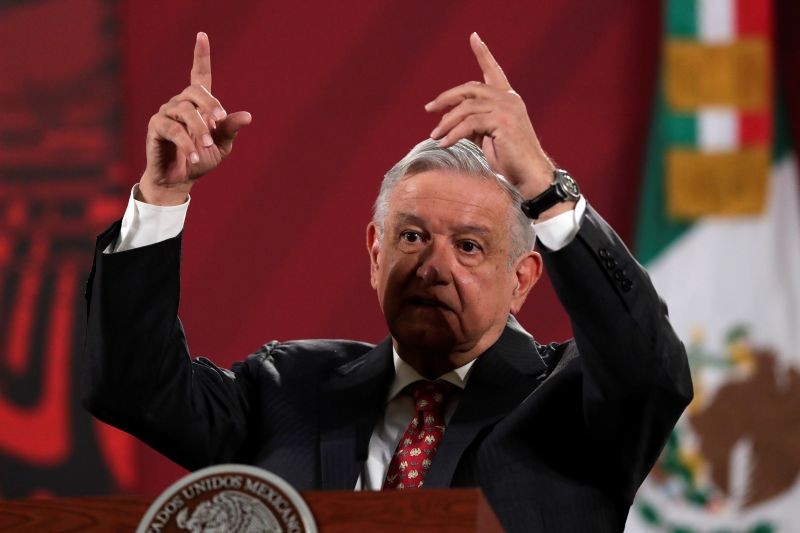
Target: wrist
[[557, 210], [537, 181], [559, 197], [163, 196]]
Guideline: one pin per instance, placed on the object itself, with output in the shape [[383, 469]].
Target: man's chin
[[428, 336]]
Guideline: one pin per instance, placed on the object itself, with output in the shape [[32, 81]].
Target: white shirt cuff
[[557, 232], [145, 224]]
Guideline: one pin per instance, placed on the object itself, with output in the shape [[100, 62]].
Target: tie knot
[[430, 395]]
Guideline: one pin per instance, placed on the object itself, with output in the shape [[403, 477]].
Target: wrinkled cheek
[[387, 295], [393, 281]]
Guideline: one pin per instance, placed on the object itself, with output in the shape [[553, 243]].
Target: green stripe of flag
[[681, 129], [681, 18], [655, 230]]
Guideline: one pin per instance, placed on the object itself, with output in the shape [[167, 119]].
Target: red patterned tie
[[417, 447]]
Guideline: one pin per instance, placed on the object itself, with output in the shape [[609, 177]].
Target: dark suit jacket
[[558, 436]]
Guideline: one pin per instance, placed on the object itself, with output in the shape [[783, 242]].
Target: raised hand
[[189, 136], [494, 117]]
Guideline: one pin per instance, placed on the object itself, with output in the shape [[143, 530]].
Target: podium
[[424, 510]]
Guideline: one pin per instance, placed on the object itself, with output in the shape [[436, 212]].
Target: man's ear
[[374, 248], [527, 271]]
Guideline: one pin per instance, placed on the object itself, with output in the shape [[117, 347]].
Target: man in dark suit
[[558, 436]]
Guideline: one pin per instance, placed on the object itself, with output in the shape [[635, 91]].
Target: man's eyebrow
[[410, 218], [469, 228]]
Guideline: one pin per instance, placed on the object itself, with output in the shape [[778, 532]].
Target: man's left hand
[[494, 117]]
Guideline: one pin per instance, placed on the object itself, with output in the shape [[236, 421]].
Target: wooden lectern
[[434, 510]]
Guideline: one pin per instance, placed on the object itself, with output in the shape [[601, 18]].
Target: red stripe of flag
[[754, 18], [755, 129]]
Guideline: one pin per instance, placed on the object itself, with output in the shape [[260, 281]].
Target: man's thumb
[[228, 128]]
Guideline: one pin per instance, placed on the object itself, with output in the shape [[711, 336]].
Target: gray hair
[[466, 158]]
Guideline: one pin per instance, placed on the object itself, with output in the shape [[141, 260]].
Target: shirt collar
[[405, 375]]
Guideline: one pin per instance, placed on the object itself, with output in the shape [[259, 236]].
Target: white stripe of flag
[[717, 21], [717, 129]]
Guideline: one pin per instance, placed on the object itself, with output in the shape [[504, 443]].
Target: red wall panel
[[275, 239]]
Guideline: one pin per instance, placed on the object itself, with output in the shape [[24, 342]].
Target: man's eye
[[469, 247], [410, 236]]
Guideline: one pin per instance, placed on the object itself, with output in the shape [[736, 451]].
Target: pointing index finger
[[492, 73], [201, 68]]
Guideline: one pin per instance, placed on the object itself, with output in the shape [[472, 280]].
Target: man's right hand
[[188, 137]]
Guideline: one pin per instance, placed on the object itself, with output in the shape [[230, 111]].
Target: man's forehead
[[450, 186], [457, 200], [458, 215], [412, 218]]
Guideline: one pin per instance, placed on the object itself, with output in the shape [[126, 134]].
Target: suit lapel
[[500, 380], [351, 402]]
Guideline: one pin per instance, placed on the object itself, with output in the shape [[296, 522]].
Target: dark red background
[[274, 242]]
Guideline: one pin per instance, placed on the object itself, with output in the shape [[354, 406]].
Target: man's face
[[442, 270]]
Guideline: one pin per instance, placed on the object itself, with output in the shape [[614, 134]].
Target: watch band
[[564, 188]]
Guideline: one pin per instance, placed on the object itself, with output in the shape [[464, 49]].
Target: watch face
[[568, 184]]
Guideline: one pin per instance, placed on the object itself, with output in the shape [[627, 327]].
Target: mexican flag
[[719, 232]]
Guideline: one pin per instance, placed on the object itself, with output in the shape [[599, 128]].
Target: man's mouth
[[429, 302]]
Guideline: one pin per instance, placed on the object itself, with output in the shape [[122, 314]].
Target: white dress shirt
[[145, 224], [398, 414]]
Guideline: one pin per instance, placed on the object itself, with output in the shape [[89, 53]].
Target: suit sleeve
[[138, 374], [636, 380]]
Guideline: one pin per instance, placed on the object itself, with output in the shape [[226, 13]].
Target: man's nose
[[436, 261]]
